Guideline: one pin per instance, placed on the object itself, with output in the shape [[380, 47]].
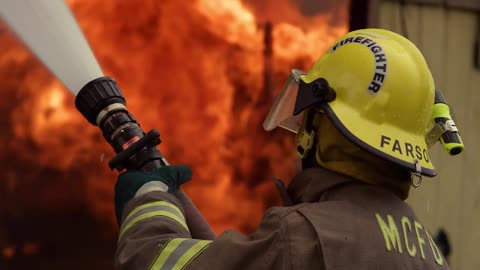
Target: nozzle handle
[[450, 139], [151, 139]]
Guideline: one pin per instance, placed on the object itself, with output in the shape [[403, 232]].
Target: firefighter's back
[[361, 226]]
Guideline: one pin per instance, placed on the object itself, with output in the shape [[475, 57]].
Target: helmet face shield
[[281, 113]]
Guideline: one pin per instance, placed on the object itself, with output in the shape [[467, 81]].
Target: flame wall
[[192, 69]]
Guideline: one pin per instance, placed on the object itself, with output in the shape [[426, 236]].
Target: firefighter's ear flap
[[314, 93]]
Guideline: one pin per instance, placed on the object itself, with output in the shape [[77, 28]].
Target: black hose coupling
[[96, 96]]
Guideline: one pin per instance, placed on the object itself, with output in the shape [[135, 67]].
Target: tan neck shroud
[[337, 153]]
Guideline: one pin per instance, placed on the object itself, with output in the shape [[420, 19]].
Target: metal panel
[[453, 173], [471, 197], [430, 30], [387, 20], [451, 200], [466, 4], [461, 4], [425, 2], [468, 82]]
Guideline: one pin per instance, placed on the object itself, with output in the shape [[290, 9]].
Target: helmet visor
[[281, 113]]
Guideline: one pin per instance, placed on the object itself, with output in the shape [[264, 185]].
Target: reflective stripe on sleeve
[[178, 253], [153, 209]]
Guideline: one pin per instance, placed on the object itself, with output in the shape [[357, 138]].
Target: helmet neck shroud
[[331, 150]]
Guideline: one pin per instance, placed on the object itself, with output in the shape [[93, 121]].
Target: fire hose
[[51, 32]]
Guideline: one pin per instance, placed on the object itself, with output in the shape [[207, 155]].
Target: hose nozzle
[[445, 129], [102, 103]]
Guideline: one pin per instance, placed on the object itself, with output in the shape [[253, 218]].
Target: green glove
[[130, 182]]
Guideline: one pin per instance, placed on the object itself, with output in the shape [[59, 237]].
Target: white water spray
[[49, 30]]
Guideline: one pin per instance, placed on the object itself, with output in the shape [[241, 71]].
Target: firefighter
[[361, 116]]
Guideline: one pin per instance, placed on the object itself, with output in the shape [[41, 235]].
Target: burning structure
[[207, 67]]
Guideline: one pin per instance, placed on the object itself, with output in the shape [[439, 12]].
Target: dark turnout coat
[[335, 223]]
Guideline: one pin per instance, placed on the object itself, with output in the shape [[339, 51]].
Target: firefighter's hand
[[167, 178]]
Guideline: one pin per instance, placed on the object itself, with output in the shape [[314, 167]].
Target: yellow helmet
[[375, 87]]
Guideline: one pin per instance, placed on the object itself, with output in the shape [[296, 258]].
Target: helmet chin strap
[[299, 165], [309, 161], [307, 142], [416, 175]]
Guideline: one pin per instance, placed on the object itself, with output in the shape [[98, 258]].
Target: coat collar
[[310, 184]]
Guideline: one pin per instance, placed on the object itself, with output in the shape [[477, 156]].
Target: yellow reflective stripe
[[191, 254], [160, 203], [169, 247], [149, 215], [150, 210], [178, 253]]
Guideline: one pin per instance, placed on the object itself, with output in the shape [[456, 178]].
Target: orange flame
[[193, 70], [8, 252]]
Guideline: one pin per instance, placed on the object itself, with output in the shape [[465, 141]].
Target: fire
[[242, 22], [51, 110], [193, 70]]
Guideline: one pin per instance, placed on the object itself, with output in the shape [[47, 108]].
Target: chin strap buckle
[[416, 175], [306, 136], [305, 141]]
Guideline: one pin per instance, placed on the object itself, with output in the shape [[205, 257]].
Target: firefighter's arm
[[151, 219], [163, 242], [266, 248], [165, 245], [284, 240], [154, 235], [153, 225]]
